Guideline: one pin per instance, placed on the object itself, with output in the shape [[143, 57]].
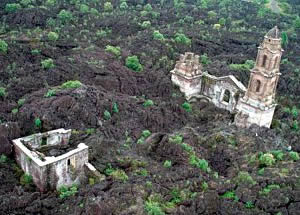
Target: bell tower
[[258, 104]]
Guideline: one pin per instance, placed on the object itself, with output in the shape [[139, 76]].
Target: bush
[[123, 6], [3, 159], [146, 24], [65, 16], [38, 123], [108, 7], [26, 179], [187, 106], [177, 139], [158, 36], [115, 108], [244, 178], [181, 38], [116, 50], [50, 93], [199, 163], [146, 133], [71, 84], [153, 208], [47, 64], [204, 59], [167, 163], [2, 92], [107, 115], [148, 103], [132, 62], [84, 8], [13, 7], [266, 159], [3, 46], [52, 36], [294, 156], [65, 192], [25, 3]]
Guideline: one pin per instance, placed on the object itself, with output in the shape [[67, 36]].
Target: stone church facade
[[252, 105]]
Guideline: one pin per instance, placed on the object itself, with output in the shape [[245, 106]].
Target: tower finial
[[273, 33]]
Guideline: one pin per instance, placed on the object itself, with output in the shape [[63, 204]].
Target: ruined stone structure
[[47, 171], [254, 105]]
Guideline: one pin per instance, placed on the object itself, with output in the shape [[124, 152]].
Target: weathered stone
[[48, 171], [254, 105]]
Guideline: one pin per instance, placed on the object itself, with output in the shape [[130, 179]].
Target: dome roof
[[273, 33]]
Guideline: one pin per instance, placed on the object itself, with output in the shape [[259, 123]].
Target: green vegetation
[[153, 208], [187, 106], [52, 36], [3, 159], [230, 195], [183, 39], [65, 192], [268, 189], [117, 174], [247, 66], [132, 62], [2, 92], [177, 139], [158, 36], [38, 122], [107, 115], [199, 163], [148, 103], [266, 160], [115, 108], [50, 93], [71, 85], [13, 7], [26, 179], [114, 50], [294, 156], [167, 163], [47, 63], [65, 16], [3, 46]]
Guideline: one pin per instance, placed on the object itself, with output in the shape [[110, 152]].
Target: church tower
[[258, 104]]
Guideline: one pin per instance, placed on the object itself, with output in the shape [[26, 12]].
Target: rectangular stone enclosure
[[48, 171]]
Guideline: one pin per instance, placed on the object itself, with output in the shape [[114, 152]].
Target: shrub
[[249, 205], [123, 6], [199, 163], [50, 93], [148, 103], [3, 46], [2, 92], [65, 192], [177, 139], [13, 7], [115, 108], [26, 179], [15, 111], [47, 63], [266, 159], [52, 36], [50, 2], [107, 115], [230, 195], [204, 59], [278, 154], [167, 163], [294, 156], [71, 84], [204, 186], [245, 178], [35, 51], [153, 208], [25, 3], [132, 62], [84, 8], [3, 159], [181, 38], [187, 106], [21, 102], [158, 36], [65, 16], [295, 112], [146, 133], [116, 50], [38, 123], [146, 24], [108, 7], [117, 174]]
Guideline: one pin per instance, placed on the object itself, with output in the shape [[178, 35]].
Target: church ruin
[[51, 160], [252, 105]]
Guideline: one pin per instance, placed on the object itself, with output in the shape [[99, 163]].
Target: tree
[[65, 16], [132, 62], [123, 5], [297, 23], [284, 39], [3, 46], [108, 7]]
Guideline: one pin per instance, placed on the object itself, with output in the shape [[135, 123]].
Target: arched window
[[226, 96], [264, 61], [257, 85], [275, 62]]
